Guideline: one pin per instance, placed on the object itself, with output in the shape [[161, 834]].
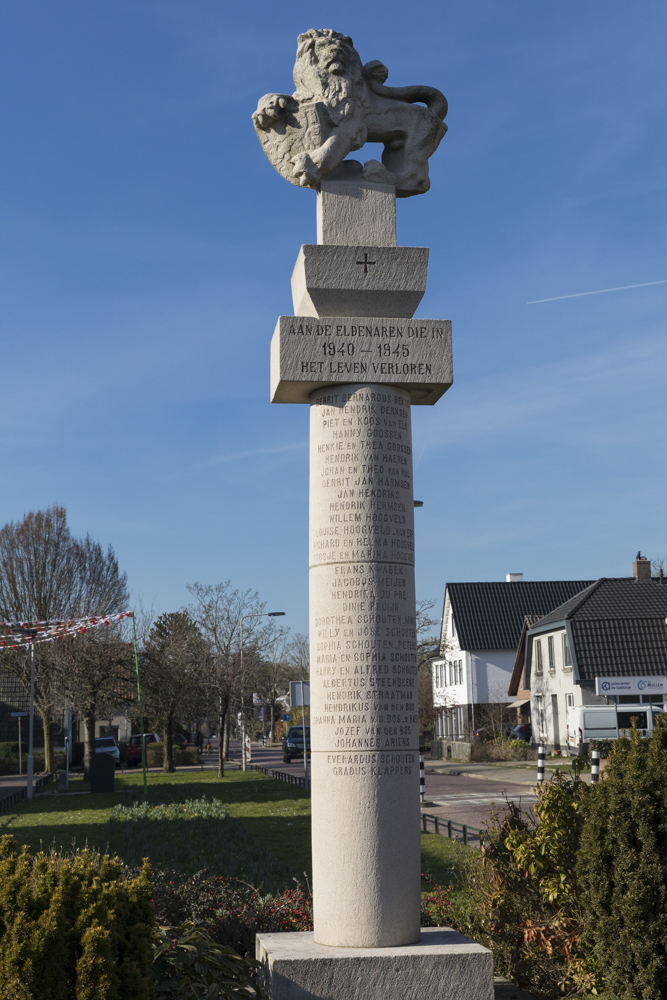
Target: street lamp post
[[260, 614], [32, 632]]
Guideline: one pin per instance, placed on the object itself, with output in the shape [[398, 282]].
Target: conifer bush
[[73, 927], [622, 868]]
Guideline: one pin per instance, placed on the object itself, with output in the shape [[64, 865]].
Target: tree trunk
[[227, 732], [168, 765], [222, 725], [88, 741]]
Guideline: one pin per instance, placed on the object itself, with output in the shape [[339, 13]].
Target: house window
[[569, 701], [537, 648], [459, 671], [550, 646], [539, 708], [567, 655], [451, 673]]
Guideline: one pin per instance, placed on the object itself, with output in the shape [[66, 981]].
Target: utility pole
[[260, 614]]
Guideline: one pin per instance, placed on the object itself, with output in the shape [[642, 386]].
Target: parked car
[[107, 744], [179, 740], [133, 749], [524, 731], [607, 722], [293, 743]]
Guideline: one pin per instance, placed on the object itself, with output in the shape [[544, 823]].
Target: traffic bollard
[[595, 766], [541, 756], [422, 779]]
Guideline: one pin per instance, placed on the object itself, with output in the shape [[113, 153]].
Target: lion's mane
[[315, 82]]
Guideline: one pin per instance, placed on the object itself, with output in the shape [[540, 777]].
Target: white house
[[614, 631], [481, 627]]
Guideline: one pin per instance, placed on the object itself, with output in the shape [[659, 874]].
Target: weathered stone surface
[[356, 214], [338, 106], [307, 354], [359, 280], [363, 674], [443, 965]]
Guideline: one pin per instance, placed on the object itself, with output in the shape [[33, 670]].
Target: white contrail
[[600, 291]]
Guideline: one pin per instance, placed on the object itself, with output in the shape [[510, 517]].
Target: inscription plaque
[[309, 353]]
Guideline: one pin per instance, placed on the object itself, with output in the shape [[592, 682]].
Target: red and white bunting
[[15, 635]]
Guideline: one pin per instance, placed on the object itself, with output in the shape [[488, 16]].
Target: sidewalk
[[511, 772]]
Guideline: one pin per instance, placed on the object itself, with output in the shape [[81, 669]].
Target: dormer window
[[537, 650]]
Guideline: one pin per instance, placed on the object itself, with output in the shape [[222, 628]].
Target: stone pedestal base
[[444, 965]]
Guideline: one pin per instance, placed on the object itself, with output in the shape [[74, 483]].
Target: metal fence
[[469, 835], [12, 800], [291, 779]]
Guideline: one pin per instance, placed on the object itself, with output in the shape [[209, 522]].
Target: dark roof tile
[[491, 615]]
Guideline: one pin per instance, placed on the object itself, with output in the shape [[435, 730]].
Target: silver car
[[107, 744]]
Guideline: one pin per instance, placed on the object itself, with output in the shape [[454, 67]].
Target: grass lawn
[[275, 816]]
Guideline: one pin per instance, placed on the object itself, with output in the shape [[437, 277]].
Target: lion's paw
[[271, 108], [305, 170], [375, 171]]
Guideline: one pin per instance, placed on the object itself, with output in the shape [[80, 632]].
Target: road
[[460, 793]]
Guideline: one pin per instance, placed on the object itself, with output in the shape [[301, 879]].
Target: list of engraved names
[[364, 713]]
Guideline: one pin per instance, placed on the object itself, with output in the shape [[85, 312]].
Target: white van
[[606, 722]]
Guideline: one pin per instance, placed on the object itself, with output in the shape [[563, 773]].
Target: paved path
[[11, 783]]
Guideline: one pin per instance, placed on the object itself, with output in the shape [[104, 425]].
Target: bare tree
[[174, 674], [94, 677], [218, 609], [272, 681], [495, 716], [47, 574], [297, 655]]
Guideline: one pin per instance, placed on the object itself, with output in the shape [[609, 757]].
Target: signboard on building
[[630, 685]]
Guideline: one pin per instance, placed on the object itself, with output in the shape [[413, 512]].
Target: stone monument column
[[354, 353], [363, 676]]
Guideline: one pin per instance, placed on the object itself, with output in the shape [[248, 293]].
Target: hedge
[[10, 765], [9, 749], [73, 927], [183, 756]]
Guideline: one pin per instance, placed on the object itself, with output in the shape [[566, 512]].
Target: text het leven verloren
[[365, 651], [377, 350]]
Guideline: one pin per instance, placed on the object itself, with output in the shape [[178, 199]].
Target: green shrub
[[623, 868], [12, 749], [502, 748], [10, 765], [183, 756], [73, 927], [190, 964], [521, 897]]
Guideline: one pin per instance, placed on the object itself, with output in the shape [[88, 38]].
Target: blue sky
[[147, 244]]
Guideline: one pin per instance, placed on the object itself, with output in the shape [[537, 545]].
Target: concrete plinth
[[443, 965]]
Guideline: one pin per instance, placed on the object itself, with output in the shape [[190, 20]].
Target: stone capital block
[[309, 354], [359, 280], [351, 214], [443, 965]]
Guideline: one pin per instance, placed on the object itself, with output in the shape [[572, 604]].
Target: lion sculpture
[[338, 106]]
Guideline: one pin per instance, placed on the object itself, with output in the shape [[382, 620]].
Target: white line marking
[[600, 291]]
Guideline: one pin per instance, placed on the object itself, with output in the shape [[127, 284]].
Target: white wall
[[559, 683], [485, 677]]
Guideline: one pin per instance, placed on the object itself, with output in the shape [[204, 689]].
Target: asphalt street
[[462, 794]]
